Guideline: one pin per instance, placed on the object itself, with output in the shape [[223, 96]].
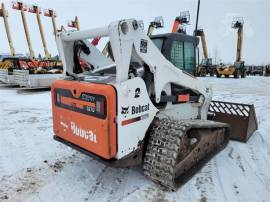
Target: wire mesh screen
[[230, 108]]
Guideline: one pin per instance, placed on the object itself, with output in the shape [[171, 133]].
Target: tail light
[[100, 107]]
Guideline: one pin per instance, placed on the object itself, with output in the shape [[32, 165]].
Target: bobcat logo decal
[[125, 110]]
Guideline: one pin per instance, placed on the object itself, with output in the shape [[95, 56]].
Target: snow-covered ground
[[34, 167]]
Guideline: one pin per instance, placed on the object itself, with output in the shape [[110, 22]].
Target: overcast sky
[[215, 18]]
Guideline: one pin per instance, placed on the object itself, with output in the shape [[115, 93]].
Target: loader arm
[[128, 39]]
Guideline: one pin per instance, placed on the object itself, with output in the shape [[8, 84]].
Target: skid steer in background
[[238, 69], [136, 107]]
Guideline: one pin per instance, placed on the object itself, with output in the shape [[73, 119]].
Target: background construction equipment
[[74, 23], [36, 10], [180, 22], [205, 67], [156, 24], [51, 14], [22, 8], [238, 69], [4, 15]]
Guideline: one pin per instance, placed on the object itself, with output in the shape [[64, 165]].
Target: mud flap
[[241, 118]]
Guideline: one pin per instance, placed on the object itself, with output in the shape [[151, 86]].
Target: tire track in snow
[[17, 187], [20, 185], [26, 150], [155, 193], [118, 193], [111, 181], [240, 164], [218, 178], [7, 128], [2, 170], [7, 156], [2, 166], [264, 179], [205, 183], [263, 141]]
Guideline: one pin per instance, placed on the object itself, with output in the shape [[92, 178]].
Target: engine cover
[[84, 114]]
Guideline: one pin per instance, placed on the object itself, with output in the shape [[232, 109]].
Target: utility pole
[[36, 10], [22, 8], [4, 15], [197, 18]]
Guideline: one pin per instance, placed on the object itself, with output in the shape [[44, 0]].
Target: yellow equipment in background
[[238, 69], [37, 11], [6, 65], [206, 66], [4, 15], [22, 8]]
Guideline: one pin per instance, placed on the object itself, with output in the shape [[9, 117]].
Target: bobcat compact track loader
[[134, 107]]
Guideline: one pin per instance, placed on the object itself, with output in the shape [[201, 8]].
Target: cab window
[[189, 56], [177, 54], [183, 55], [158, 42]]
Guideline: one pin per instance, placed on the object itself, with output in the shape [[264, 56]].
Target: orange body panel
[[84, 114], [183, 98], [175, 26]]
